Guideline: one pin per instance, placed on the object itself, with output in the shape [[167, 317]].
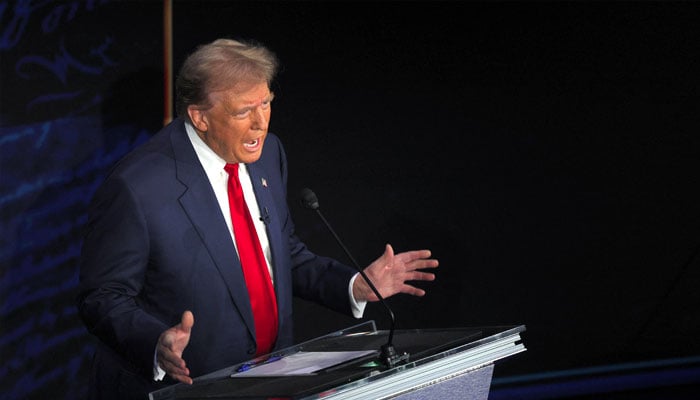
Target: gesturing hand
[[389, 274], [171, 344]]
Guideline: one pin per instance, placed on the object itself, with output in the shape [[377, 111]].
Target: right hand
[[171, 344]]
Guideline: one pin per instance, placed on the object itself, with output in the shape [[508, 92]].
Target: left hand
[[171, 345], [389, 274]]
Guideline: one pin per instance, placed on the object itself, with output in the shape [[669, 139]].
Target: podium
[[453, 363]]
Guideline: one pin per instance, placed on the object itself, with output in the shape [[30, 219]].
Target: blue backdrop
[[76, 80]]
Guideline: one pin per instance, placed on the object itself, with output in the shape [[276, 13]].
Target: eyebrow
[[269, 97]]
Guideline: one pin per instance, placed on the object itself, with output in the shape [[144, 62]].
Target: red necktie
[[257, 276]]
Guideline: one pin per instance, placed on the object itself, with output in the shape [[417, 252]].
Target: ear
[[198, 118]]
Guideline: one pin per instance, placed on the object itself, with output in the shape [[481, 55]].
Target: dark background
[[546, 152]]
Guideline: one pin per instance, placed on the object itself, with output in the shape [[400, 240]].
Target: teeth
[[252, 143]]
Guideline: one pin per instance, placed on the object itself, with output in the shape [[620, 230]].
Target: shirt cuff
[[158, 372], [357, 307]]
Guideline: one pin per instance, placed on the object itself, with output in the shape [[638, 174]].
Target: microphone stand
[[388, 355]]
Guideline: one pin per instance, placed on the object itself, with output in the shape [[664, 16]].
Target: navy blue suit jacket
[[156, 244]]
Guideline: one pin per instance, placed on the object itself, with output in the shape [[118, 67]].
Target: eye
[[265, 104], [242, 114]]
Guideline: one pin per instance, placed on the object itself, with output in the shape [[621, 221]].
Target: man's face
[[235, 127]]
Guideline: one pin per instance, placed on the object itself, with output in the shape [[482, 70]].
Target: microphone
[[265, 217], [388, 353]]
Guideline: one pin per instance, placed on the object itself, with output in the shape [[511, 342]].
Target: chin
[[249, 159]]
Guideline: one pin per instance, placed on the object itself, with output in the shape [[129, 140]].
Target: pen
[[249, 365]]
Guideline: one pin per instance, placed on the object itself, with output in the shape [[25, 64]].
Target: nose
[[260, 118]]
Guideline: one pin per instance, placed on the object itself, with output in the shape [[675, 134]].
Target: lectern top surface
[[469, 347]]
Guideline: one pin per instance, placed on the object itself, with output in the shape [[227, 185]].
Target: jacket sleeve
[[112, 267], [315, 278]]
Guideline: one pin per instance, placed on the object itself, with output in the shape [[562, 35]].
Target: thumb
[[187, 321], [389, 251]]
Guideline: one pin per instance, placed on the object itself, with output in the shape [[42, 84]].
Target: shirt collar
[[210, 160]]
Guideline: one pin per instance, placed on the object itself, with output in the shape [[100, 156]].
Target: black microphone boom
[[388, 352]]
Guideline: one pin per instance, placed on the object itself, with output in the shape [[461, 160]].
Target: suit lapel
[[200, 204]]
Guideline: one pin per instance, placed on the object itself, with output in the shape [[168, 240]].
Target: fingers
[[413, 291], [182, 378], [170, 358], [421, 276], [173, 365], [414, 254], [421, 264], [182, 375], [417, 259]]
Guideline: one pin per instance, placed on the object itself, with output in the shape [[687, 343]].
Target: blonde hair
[[221, 65]]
